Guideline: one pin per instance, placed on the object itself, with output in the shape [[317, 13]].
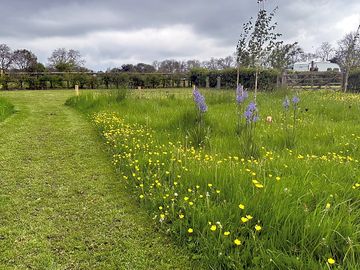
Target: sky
[[110, 33]]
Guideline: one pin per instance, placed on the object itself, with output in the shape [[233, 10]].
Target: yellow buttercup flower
[[181, 216], [331, 261], [241, 206], [190, 230], [258, 227], [259, 185], [237, 242], [213, 228], [244, 219], [226, 233], [328, 205]]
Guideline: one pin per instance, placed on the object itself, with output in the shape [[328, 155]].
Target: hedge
[[91, 80], [267, 79]]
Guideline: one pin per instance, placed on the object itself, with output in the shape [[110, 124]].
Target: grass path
[[61, 204]]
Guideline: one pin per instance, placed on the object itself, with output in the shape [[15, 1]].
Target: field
[[294, 204]]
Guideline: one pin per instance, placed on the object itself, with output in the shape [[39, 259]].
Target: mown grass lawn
[[294, 206], [6, 109], [61, 204]]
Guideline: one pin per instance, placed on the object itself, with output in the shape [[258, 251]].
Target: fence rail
[[313, 80]]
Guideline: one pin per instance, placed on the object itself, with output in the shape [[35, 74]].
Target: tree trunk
[[345, 80], [238, 75], [256, 84], [278, 80]]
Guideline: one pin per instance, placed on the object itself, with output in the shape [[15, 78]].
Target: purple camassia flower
[[251, 113], [286, 103], [295, 100], [241, 94], [199, 100]]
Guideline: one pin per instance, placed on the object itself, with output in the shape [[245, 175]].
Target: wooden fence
[[313, 80]]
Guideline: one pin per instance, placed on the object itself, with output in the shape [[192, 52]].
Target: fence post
[[284, 80], [76, 89], [207, 82], [218, 82], [1, 72]]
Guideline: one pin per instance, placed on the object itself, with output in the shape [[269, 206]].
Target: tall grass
[[293, 208]]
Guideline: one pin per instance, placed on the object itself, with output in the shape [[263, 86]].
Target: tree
[[5, 56], [242, 51], [284, 55], [39, 67], [156, 65], [169, 66], [212, 64], [226, 62], [66, 60], [306, 57], [325, 51], [257, 41], [190, 64], [348, 55], [182, 67], [144, 68], [24, 60], [128, 68]]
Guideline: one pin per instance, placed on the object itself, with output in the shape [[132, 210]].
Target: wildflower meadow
[[271, 184]]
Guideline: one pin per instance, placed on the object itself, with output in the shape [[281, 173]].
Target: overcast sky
[[109, 33]]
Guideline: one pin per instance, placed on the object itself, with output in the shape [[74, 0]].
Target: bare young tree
[[325, 51], [226, 62], [348, 55], [242, 50], [24, 60], [5, 57], [257, 41], [193, 64], [211, 64]]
